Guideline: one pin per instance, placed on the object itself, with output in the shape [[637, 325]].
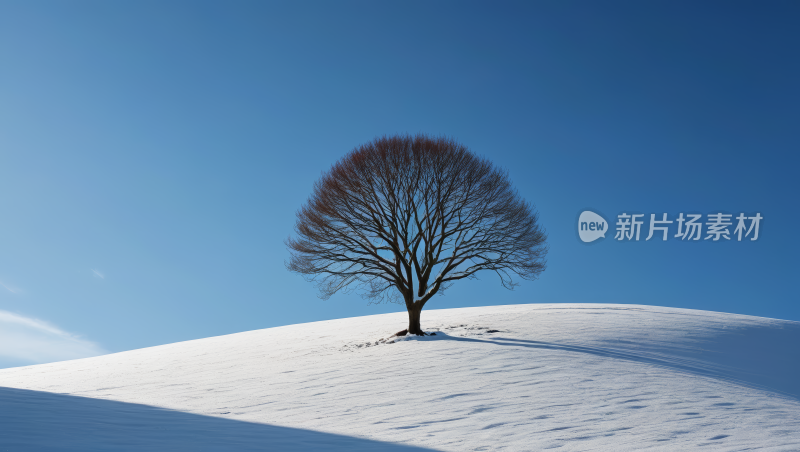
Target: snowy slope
[[573, 377]]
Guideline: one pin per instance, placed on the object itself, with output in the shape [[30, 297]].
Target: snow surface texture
[[572, 377]]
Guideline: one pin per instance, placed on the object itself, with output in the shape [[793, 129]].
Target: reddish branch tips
[[403, 217]]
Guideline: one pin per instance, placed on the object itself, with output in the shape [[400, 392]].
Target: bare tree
[[404, 217]]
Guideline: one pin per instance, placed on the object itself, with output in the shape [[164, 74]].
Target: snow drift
[[523, 377]]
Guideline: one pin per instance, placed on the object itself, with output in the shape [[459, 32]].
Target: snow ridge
[[522, 377]]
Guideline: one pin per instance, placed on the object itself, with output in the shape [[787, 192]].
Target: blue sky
[[153, 154]]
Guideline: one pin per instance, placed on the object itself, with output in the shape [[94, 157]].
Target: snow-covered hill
[[524, 377]]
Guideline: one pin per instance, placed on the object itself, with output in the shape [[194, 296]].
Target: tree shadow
[[43, 421], [761, 357]]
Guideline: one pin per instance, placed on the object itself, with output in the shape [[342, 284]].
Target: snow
[[552, 376]]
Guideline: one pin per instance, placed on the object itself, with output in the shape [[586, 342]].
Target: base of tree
[[405, 332]]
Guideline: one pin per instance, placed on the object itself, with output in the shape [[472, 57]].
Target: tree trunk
[[414, 311]]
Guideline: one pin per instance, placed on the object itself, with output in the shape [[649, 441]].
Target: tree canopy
[[402, 218]]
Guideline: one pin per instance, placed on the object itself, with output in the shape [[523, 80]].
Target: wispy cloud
[[10, 288], [35, 341], [98, 274]]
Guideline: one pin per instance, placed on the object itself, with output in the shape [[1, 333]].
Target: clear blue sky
[[153, 154]]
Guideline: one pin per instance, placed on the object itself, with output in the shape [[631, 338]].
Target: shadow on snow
[[762, 357], [43, 421]]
